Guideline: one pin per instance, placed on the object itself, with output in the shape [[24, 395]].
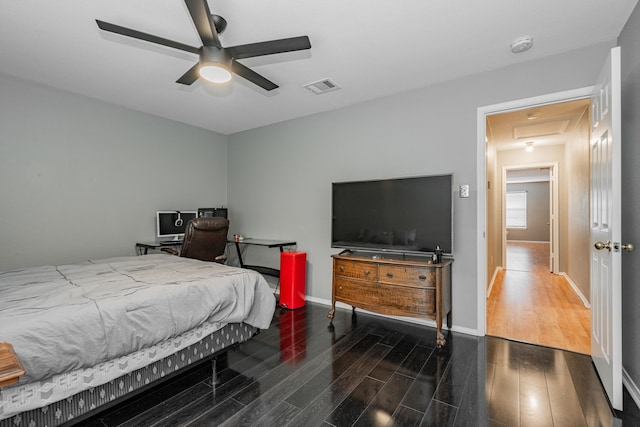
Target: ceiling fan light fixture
[[214, 73]]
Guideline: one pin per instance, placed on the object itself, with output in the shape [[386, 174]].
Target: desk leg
[[239, 254]]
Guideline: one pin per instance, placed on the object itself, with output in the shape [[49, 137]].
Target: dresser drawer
[[408, 275], [356, 292], [409, 301], [356, 270]]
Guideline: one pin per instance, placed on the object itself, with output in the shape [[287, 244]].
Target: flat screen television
[[171, 224], [404, 215]]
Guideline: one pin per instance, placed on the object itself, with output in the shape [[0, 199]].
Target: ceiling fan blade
[[252, 76], [190, 76], [117, 29], [203, 20], [269, 47]]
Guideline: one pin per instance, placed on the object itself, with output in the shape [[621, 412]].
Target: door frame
[[554, 234], [481, 179]]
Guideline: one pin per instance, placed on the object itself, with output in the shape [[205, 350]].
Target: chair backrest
[[205, 238]]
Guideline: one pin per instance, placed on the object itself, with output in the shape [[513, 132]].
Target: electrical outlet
[[464, 190]]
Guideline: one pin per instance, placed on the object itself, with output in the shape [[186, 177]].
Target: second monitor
[[211, 212]]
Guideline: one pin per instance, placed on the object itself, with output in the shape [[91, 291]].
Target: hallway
[[529, 304]]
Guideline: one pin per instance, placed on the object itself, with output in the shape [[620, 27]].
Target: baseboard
[[493, 280], [415, 320], [585, 301], [631, 387]]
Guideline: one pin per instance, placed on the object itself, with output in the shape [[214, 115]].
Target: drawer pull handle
[[366, 272], [422, 277], [341, 268], [389, 275], [340, 287]]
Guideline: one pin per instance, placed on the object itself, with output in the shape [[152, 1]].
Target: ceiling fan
[[216, 62]]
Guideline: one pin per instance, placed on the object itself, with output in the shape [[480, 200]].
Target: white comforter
[[60, 318]]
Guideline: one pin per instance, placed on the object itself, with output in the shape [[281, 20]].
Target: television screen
[[412, 215], [173, 223]]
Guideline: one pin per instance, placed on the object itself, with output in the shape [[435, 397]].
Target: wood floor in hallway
[[530, 304]]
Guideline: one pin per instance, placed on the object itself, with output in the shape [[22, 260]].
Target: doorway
[[538, 302], [529, 212]]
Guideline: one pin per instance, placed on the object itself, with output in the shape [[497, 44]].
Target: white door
[[606, 293]]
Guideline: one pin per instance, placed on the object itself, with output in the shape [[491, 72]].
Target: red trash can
[[293, 279]]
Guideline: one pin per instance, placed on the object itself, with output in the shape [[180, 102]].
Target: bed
[[92, 333]]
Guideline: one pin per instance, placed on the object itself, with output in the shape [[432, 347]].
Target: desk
[[143, 248], [265, 243]]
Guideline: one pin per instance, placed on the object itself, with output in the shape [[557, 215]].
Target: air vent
[[322, 86]]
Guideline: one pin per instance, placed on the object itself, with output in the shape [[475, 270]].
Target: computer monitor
[[212, 212], [171, 224]]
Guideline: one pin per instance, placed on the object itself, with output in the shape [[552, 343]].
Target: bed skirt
[[83, 403]]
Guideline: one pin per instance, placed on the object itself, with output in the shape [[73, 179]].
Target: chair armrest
[[170, 251]]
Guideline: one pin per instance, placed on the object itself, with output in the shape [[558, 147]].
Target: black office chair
[[204, 239]]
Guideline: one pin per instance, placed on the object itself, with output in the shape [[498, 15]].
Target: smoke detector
[[522, 44]]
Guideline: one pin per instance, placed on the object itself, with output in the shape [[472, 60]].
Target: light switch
[[464, 190]]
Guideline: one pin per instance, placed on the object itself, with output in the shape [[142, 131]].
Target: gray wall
[[280, 176], [82, 179], [577, 174], [537, 212], [628, 42], [493, 209]]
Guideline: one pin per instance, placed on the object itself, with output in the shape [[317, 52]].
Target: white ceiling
[[371, 48], [541, 126]]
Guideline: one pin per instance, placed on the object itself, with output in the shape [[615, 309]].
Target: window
[[516, 209]]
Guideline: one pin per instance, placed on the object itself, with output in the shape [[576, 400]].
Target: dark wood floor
[[370, 371]]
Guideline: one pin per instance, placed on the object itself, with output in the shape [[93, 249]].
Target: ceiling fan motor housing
[[220, 23], [216, 55]]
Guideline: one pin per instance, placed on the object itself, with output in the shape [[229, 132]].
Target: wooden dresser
[[399, 286]]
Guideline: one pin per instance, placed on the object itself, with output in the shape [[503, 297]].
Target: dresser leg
[[332, 311], [440, 340]]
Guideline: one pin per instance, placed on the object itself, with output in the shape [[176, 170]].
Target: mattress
[[71, 395], [70, 322]]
